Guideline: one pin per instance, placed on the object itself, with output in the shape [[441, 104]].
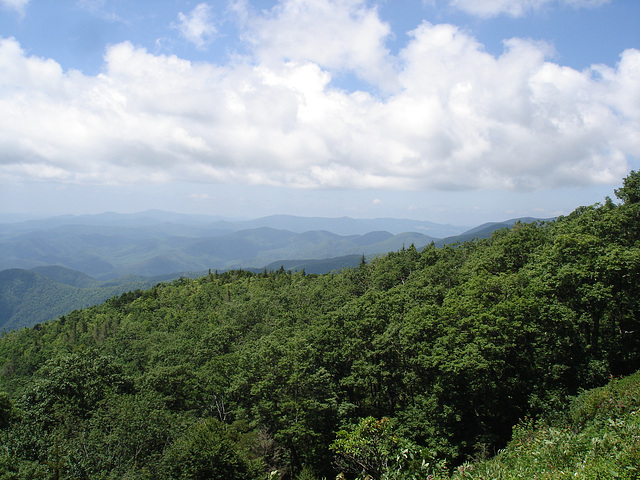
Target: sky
[[452, 111]]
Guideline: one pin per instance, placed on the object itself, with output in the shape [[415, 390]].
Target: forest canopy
[[419, 360]]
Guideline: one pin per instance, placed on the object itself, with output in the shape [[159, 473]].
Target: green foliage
[[630, 191], [372, 449], [206, 452], [598, 438], [5, 410]]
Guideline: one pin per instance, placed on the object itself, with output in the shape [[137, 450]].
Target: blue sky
[[454, 111]]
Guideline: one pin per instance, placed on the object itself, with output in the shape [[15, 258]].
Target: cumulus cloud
[[197, 26], [335, 34], [515, 8], [456, 117]]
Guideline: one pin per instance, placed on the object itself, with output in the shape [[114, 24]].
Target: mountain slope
[[66, 276], [29, 297], [317, 266], [485, 230], [148, 245], [428, 356]]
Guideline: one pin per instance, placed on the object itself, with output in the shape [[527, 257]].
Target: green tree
[[6, 408], [206, 452], [372, 449], [630, 191]]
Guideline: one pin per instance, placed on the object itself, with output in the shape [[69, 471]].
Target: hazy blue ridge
[[66, 276], [109, 245], [485, 230], [340, 226]]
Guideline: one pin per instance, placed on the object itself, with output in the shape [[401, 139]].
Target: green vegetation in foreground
[[598, 437], [412, 365]]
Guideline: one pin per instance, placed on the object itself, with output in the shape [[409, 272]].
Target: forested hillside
[[404, 367], [28, 297]]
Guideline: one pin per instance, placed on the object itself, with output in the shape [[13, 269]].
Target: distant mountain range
[[51, 266], [216, 224], [111, 245]]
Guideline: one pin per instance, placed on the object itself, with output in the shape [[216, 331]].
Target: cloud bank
[[448, 116]]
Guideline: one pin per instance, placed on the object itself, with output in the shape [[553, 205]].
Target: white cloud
[[16, 5], [515, 8], [334, 34], [197, 26], [458, 117]]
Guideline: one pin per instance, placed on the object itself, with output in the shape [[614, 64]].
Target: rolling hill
[[29, 297]]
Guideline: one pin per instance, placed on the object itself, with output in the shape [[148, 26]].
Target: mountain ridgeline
[[419, 363], [154, 243], [109, 246], [60, 264]]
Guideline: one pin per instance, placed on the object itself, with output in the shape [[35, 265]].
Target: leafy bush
[[600, 439]]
